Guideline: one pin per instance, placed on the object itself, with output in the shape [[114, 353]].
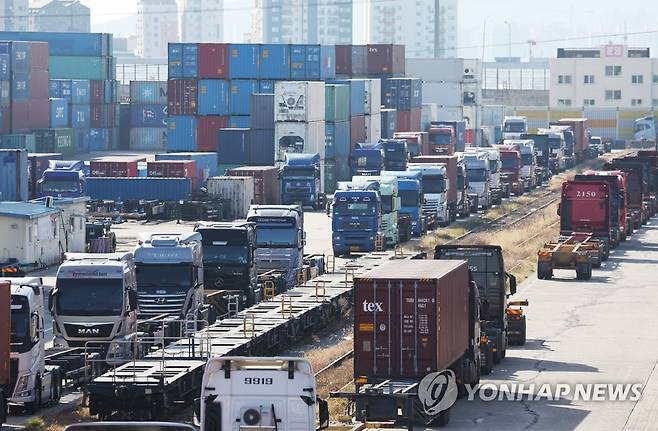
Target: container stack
[[357, 108], [372, 109], [337, 135], [406, 96], [148, 115], [389, 119], [182, 97], [262, 129]]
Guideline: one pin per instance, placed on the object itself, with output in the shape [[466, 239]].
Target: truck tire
[[588, 273], [522, 337], [56, 388], [443, 419]]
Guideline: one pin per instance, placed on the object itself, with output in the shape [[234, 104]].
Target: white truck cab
[[514, 127], [479, 176], [260, 394], [527, 150]]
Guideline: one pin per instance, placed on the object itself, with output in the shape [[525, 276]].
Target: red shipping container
[[357, 130], [39, 84], [451, 171], [344, 60], [407, 325], [99, 116], [469, 136], [386, 60], [114, 167], [409, 121], [182, 96], [207, 132], [213, 61], [267, 185], [27, 115], [39, 56], [174, 169], [97, 91]]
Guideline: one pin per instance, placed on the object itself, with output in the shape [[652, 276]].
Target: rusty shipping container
[[406, 325], [114, 167], [386, 60], [182, 96], [344, 60], [451, 171], [410, 121], [267, 186], [174, 169], [208, 132], [213, 61], [357, 130]]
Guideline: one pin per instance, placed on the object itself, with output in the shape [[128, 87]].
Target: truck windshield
[[20, 321], [305, 172], [434, 184], [554, 143], [280, 237], [226, 254], [398, 155], [355, 209], [515, 127], [409, 198], [510, 162], [173, 277], [441, 139], [527, 159], [59, 186], [477, 175], [90, 297]]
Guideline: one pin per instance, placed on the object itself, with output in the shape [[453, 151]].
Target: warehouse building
[[72, 222]]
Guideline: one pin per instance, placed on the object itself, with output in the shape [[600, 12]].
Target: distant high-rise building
[[428, 28], [61, 16], [203, 21], [326, 22], [157, 25], [14, 15]]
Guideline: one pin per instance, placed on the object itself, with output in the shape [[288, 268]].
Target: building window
[[612, 94], [564, 79], [588, 79], [636, 102], [589, 102], [612, 70], [637, 79], [564, 102]]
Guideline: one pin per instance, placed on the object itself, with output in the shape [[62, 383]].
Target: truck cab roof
[[438, 168], [417, 175], [83, 266], [295, 159], [25, 286], [169, 249], [224, 225], [274, 211]]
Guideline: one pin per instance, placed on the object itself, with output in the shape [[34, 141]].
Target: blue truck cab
[[396, 154], [301, 182], [356, 219], [64, 179], [410, 186], [367, 160]]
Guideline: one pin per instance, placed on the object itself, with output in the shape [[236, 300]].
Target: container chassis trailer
[[578, 252]]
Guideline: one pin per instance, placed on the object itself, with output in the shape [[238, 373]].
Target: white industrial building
[[72, 223], [428, 28], [157, 25], [610, 76], [202, 21], [30, 233]]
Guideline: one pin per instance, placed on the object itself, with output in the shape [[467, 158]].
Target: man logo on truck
[[438, 391], [372, 307]]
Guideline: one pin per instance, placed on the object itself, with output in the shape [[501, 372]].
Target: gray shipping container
[[13, 175], [237, 192], [262, 111]]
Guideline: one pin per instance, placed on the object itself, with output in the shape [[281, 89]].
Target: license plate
[[355, 248]]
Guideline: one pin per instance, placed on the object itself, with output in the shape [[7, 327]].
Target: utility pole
[[509, 56]]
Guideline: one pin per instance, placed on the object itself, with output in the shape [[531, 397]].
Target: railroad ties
[[148, 388]]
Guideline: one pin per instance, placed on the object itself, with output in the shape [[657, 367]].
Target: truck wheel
[[33, 407], [56, 388], [522, 337], [588, 273]]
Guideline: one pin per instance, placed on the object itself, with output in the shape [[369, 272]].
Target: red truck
[[586, 207], [622, 224], [456, 203], [510, 156], [639, 200], [417, 142], [413, 320], [442, 141], [580, 136]]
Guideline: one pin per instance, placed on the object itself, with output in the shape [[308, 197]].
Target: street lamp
[[509, 56]]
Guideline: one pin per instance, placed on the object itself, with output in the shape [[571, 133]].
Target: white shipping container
[[442, 93], [493, 115], [299, 101], [450, 113], [373, 127], [429, 113], [443, 69], [373, 96], [303, 138], [237, 191]]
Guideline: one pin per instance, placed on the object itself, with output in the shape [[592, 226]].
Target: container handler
[[578, 252]]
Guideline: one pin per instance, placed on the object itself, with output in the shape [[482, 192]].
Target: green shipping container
[[18, 142], [337, 103], [74, 67], [329, 176], [55, 141]]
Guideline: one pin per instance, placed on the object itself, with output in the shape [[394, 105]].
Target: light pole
[[509, 55]]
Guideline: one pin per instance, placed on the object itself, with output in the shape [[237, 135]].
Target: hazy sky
[[559, 21]]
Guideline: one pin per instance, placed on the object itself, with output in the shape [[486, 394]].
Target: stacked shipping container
[[406, 96], [148, 115], [337, 135]]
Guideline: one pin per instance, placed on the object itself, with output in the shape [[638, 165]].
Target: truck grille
[[89, 331], [152, 305], [299, 190]]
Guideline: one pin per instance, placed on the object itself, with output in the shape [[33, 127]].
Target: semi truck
[[435, 191], [169, 271], [64, 178], [229, 259], [479, 177], [280, 239], [499, 188], [645, 129], [301, 180], [390, 199], [417, 142], [411, 198], [529, 159], [458, 201], [94, 303], [401, 310], [356, 220], [459, 129], [621, 223], [396, 154], [514, 127], [442, 140], [261, 394], [580, 137], [637, 187], [367, 159], [512, 164]]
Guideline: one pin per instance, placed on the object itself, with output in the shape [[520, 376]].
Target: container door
[[375, 336], [418, 338]]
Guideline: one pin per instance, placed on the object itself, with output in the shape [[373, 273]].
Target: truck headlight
[[371, 238], [23, 383]]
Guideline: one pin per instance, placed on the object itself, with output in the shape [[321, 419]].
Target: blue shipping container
[[181, 133], [175, 60], [80, 91], [20, 56], [190, 60], [54, 89], [148, 92], [13, 175], [79, 44], [337, 140], [213, 97], [59, 113], [298, 62], [240, 96], [357, 95], [266, 87], [403, 94], [312, 63], [206, 163], [327, 62], [148, 115], [64, 88], [389, 123], [19, 141], [244, 60], [274, 61], [80, 116], [262, 111], [239, 122], [234, 146], [5, 67], [99, 140], [261, 148], [20, 85], [136, 188], [81, 138]]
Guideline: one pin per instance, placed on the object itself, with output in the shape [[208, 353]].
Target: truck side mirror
[[51, 297], [512, 283], [323, 412]]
